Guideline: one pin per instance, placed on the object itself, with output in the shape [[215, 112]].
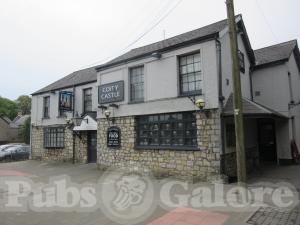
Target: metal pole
[[237, 96]]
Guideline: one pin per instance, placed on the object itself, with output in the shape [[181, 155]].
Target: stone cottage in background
[[11, 131], [167, 107]]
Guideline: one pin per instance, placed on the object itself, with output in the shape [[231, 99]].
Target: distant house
[[10, 131], [4, 129]]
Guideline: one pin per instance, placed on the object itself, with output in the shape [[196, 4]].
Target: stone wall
[[198, 165], [81, 148], [230, 166], [60, 154]]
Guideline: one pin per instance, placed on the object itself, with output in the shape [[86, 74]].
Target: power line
[[141, 36], [157, 23], [266, 20]]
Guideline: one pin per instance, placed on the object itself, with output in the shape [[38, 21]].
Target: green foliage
[[8, 108], [25, 131], [11, 108], [24, 104]]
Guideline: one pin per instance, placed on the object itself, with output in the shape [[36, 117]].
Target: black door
[[92, 146], [267, 140]]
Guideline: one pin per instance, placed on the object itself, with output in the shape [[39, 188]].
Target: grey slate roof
[[76, 78], [274, 53], [6, 119], [90, 74], [173, 42], [250, 108], [19, 121]]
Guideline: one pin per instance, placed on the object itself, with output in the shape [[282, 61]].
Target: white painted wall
[[295, 111], [227, 67], [273, 84], [37, 105], [161, 86]]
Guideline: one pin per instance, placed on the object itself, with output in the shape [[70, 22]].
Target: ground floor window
[[54, 137], [167, 130]]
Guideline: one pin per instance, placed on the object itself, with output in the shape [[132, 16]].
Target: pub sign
[[65, 101], [113, 137], [112, 92]]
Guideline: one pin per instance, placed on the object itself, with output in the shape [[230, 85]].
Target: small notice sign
[[113, 137]]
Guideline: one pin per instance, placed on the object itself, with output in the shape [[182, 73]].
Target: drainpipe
[[251, 82], [221, 101], [30, 156], [73, 139]]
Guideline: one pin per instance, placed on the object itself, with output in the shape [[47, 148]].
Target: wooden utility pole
[[237, 96]]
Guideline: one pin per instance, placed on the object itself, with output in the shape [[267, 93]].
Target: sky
[[42, 41]]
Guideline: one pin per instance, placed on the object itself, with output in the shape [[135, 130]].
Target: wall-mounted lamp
[[156, 55], [200, 104], [78, 120], [69, 123], [107, 114]]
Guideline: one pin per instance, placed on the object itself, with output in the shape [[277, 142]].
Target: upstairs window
[[46, 107], [87, 100], [54, 137], [190, 73], [241, 61], [137, 84]]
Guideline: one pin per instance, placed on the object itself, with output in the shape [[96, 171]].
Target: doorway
[[92, 146], [267, 140]]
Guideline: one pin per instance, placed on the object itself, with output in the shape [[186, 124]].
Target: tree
[[24, 104], [8, 108]]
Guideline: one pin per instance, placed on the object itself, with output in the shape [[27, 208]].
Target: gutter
[[166, 49], [65, 87], [251, 82]]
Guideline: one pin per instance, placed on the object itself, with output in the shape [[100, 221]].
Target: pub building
[[167, 108]]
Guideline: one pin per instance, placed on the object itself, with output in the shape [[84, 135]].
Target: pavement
[[156, 213]]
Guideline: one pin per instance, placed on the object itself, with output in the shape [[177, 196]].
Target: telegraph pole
[[237, 96]]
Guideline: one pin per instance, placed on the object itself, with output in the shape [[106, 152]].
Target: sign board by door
[[112, 92], [113, 137]]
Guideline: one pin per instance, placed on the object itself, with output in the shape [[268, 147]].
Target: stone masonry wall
[[41, 153], [199, 165], [81, 148], [230, 166]]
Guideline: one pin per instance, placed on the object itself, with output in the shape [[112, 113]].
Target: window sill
[[45, 118], [136, 102], [170, 148], [190, 94], [54, 148]]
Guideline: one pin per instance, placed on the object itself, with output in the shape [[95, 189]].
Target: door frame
[[89, 158], [261, 122]]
